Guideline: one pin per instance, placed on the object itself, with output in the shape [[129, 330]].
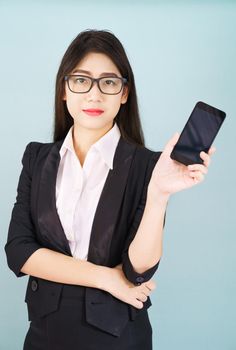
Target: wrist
[[157, 197], [103, 277]]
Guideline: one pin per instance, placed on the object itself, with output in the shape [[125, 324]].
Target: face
[[95, 65]]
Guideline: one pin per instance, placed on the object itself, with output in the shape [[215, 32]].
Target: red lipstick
[[93, 112]]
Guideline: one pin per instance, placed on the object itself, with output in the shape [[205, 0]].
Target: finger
[[138, 304], [212, 150], [198, 167], [148, 290], [142, 297], [206, 158], [151, 285], [172, 142]]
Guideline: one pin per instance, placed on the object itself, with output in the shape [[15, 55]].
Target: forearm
[[53, 266], [57, 267], [146, 248]]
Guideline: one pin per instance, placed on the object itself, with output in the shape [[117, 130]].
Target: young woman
[[88, 221]]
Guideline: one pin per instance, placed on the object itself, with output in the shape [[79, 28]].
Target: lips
[[93, 112]]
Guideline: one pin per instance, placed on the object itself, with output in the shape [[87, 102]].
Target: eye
[[81, 80], [110, 82]]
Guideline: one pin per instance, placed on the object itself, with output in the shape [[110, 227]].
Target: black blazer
[[35, 224]]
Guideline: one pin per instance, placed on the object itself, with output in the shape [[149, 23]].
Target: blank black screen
[[198, 135]]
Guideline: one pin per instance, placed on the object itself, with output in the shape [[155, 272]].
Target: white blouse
[[78, 188]]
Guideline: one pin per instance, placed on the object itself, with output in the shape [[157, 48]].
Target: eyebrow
[[89, 73]]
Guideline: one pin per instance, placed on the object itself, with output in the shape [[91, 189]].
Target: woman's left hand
[[169, 176]]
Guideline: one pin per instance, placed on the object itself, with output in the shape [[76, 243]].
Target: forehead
[[97, 63]]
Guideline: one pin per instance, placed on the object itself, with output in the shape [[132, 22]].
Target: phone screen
[[198, 133]]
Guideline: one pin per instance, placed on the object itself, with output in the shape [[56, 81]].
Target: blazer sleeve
[[21, 241], [127, 266]]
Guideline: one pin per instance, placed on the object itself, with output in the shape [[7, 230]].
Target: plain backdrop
[[181, 52]]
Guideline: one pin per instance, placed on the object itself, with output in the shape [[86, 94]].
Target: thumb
[[172, 142]]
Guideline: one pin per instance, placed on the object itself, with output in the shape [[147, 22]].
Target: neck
[[83, 139]]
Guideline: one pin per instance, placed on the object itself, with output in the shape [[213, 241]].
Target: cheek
[[115, 105], [73, 105]]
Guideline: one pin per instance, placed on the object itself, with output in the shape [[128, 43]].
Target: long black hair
[[99, 41]]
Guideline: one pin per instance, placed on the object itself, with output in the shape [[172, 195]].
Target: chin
[[93, 123]]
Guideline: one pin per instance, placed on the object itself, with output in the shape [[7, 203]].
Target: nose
[[95, 93]]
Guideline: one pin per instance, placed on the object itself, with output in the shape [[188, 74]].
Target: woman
[[88, 221]]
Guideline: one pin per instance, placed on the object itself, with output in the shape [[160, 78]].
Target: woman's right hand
[[121, 288]]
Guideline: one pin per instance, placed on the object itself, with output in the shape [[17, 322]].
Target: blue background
[[181, 52]]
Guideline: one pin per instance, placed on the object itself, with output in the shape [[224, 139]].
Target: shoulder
[[34, 146], [146, 156], [142, 153], [143, 163], [36, 150]]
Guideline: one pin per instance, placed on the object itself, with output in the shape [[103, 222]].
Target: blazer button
[[139, 279], [34, 285]]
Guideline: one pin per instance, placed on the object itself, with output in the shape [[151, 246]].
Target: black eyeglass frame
[[93, 80]]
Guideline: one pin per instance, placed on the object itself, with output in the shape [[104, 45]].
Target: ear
[[125, 95]]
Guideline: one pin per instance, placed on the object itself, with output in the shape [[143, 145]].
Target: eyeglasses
[[81, 84]]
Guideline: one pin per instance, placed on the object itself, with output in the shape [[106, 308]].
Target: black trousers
[[67, 329]]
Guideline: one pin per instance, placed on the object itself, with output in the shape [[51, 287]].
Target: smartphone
[[198, 134]]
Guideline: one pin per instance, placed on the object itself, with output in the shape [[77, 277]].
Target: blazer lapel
[[109, 204], [48, 218]]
